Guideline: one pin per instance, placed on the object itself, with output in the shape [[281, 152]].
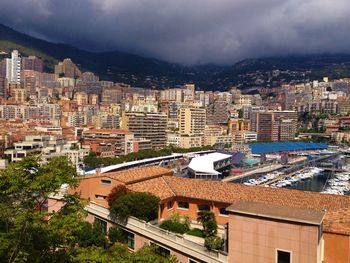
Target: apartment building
[[68, 69], [287, 130], [265, 125], [109, 142], [192, 121], [151, 126], [217, 112], [13, 67]]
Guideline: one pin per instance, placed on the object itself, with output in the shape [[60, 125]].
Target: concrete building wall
[[257, 240], [337, 248]]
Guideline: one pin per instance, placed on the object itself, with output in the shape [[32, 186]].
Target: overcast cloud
[[188, 31]]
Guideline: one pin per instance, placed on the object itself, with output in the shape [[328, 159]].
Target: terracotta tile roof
[[337, 207], [338, 221], [156, 186], [136, 175]]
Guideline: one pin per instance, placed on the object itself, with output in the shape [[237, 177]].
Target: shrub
[[207, 219], [90, 235], [174, 226], [116, 192], [213, 243], [196, 232], [143, 206]]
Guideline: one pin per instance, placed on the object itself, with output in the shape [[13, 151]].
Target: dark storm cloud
[[188, 31]]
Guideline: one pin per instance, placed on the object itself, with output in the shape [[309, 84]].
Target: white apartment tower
[[13, 67]]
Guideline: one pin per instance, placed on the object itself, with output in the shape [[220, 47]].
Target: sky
[[188, 31]]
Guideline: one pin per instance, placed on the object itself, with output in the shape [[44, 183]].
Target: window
[[283, 256], [106, 181], [162, 251], [203, 208], [223, 211], [102, 224], [183, 205], [130, 239], [100, 196]]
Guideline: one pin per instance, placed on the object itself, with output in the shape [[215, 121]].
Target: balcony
[[162, 237]]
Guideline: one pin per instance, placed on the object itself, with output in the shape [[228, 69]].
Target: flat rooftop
[[277, 212]]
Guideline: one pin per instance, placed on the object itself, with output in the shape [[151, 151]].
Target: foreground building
[[259, 224]]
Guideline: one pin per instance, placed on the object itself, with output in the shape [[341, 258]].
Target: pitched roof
[[337, 218], [156, 186], [338, 221], [135, 175]]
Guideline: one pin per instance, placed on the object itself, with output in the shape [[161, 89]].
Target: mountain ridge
[[154, 73]]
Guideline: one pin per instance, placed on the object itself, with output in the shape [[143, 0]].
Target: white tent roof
[[205, 163]]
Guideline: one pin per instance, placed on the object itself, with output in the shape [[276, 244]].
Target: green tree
[[91, 235], [208, 221], [144, 206], [26, 234], [119, 253], [116, 192]]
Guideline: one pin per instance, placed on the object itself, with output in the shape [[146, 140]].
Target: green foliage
[[177, 224], [208, 221], [213, 243], [116, 234], [91, 235], [116, 192], [28, 233], [143, 206], [25, 232], [174, 226], [196, 232], [118, 253]]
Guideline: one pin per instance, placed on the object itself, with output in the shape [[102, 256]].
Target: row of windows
[[202, 207]]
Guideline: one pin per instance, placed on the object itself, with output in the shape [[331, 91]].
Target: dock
[[260, 170]]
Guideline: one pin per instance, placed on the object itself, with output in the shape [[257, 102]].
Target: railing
[[142, 226]]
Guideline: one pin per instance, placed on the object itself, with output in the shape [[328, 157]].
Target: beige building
[[68, 69], [151, 126], [192, 121], [191, 126], [20, 95], [191, 141], [287, 130], [81, 98]]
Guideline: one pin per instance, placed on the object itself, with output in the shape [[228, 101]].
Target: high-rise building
[[287, 129], [192, 121], [32, 63], [67, 69], [3, 69], [151, 126], [217, 113], [3, 88], [265, 125], [111, 95], [13, 67]]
